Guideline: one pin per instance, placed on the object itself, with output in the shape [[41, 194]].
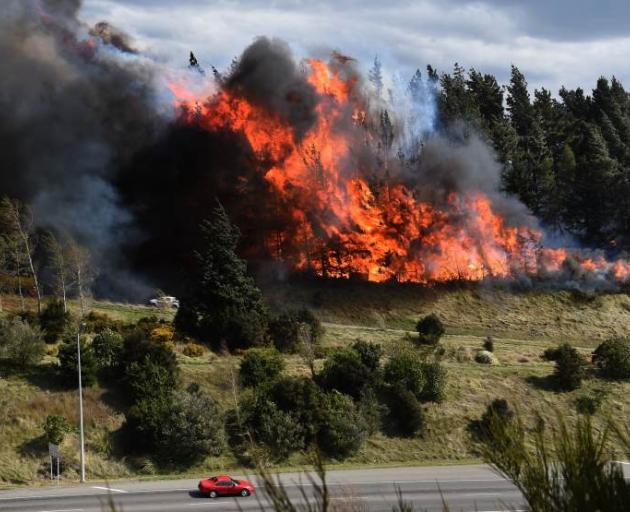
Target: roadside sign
[[53, 450]]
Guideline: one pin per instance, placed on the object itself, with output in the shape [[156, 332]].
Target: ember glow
[[346, 223]]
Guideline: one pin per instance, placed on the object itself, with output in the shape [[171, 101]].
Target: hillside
[[522, 324]]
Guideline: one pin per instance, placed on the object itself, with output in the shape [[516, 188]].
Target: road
[[465, 488]]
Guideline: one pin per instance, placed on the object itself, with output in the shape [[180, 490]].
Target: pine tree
[[375, 75], [225, 307]]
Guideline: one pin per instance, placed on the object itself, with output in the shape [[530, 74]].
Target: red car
[[224, 485]]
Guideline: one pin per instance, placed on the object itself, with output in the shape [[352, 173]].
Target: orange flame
[[345, 226]]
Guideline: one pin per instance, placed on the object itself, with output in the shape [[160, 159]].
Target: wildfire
[[344, 225]]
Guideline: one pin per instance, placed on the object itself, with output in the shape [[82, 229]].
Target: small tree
[[260, 367], [488, 344], [612, 358], [18, 221], [191, 429], [21, 344], [569, 367], [430, 330], [497, 410], [405, 412], [345, 372], [56, 428], [54, 320], [342, 428], [435, 377], [68, 362], [369, 353], [108, 349], [287, 329], [405, 370]]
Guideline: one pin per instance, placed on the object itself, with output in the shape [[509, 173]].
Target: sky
[[554, 42]]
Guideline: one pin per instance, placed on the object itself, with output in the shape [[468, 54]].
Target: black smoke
[[72, 113]]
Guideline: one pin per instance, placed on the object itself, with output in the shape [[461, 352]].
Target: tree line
[[565, 156]]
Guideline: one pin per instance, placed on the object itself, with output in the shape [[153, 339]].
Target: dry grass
[[522, 325]]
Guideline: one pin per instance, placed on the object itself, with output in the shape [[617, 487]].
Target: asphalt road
[[465, 488]]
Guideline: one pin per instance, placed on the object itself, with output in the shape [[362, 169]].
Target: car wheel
[[212, 494], [244, 493]]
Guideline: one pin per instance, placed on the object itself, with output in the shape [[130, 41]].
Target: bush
[[108, 348], [372, 410], [193, 350], [191, 429], [287, 330], [488, 344], [99, 322], [54, 321], [56, 428], [150, 366], [345, 372], [434, 389], [404, 370], [137, 347], [405, 412], [342, 429], [276, 430], [430, 330], [369, 353], [569, 367], [303, 399], [260, 367], [612, 358], [550, 354], [485, 357], [68, 367], [497, 410], [21, 344]]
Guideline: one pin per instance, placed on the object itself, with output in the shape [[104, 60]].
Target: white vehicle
[[165, 302]]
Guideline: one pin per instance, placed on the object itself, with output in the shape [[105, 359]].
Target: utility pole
[[81, 404]]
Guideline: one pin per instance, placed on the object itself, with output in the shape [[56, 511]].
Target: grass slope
[[522, 324]]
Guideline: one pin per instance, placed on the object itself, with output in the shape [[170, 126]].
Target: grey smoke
[[71, 113], [267, 75]]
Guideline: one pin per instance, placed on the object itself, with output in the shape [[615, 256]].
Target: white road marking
[[64, 510], [108, 489]]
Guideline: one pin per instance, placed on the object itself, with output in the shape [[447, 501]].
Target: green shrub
[[138, 346], [54, 321], [260, 367], [21, 344], [193, 350], [372, 410], [191, 429], [488, 344], [98, 322], [276, 430], [369, 353], [497, 411], [56, 428], [342, 429], [405, 412], [485, 357], [404, 370], [430, 330], [289, 329], [435, 376], [569, 367], [68, 367], [302, 398], [148, 380], [550, 354], [108, 348], [345, 372], [612, 358]]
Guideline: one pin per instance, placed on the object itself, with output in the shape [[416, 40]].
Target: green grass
[[523, 324]]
